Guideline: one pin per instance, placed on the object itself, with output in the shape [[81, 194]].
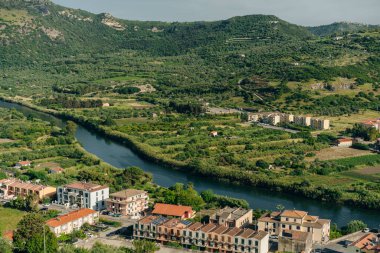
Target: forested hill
[[38, 30], [340, 28]]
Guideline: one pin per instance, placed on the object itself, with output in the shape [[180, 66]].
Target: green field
[[9, 219]]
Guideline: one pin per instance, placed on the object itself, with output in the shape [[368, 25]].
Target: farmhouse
[[21, 164], [344, 142]]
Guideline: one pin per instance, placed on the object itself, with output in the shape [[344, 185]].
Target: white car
[[366, 230]]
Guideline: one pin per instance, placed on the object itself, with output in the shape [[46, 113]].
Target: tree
[[30, 233], [262, 164], [70, 128], [354, 225], [208, 196], [5, 246], [143, 246]]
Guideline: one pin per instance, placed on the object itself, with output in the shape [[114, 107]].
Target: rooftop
[[72, 216], [16, 183], [296, 235], [229, 213], [367, 242], [171, 210], [86, 186], [293, 214], [127, 193]]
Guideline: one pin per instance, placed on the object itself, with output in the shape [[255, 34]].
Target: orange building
[[13, 187], [182, 212]]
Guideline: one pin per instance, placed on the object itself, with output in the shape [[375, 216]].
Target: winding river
[[121, 156]]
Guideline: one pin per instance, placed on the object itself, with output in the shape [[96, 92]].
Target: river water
[[121, 156]]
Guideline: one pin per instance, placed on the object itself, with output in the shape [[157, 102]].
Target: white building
[[66, 224], [129, 202], [83, 195]]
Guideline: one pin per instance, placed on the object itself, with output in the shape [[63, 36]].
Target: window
[[298, 227], [256, 243], [184, 233], [283, 226], [242, 241], [287, 219], [236, 240]]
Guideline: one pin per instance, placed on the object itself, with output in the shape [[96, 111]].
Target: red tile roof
[[345, 140], [24, 163], [8, 235], [72, 216], [171, 210], [86, 186]]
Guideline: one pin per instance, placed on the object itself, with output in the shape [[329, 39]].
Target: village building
[[56, 170], [295, 220], [344, 142], [232, 217], [302, 120], [129, 202], [369, 243], [374, 123], [213, 133], [66, 224], [208, 237], [295, 241], [83, 195], [105, 105], [320, 124], [10, 188], [21, 164], [167, 210]]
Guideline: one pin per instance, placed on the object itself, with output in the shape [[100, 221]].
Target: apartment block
[[13, 187], [83, 195], [129, 202], [302, 120], [232, 217], [209, 237], [276, 222], [320, 124], [66, 224]]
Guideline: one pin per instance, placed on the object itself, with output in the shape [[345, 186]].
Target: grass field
[[334, 153], [9, 218]]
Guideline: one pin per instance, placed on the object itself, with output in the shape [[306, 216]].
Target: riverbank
[[243, 178]]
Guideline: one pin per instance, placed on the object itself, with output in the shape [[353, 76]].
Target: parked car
[[366, 230]]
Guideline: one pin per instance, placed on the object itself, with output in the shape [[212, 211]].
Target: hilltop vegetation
[[147, 83]]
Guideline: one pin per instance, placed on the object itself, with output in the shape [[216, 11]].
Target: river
[[121, 156]]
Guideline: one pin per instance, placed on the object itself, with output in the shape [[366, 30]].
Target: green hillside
[[340, 28]]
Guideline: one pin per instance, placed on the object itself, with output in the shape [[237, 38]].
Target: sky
[[301, 12]]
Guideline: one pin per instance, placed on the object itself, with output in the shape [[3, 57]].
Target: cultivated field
[[334, 153]]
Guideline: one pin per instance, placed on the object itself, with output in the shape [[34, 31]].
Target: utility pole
[[44, 240]]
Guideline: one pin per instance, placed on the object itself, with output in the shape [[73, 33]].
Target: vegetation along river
[[121, 156]]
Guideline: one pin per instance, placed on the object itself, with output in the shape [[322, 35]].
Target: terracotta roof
[[233, 231], [72, 216], [344, 140], [365, 242], [208, 227], [293, 214], [246, 233], [24, 162], [23, 185], [171, 210], [295, 235], [219, 229], [172, 223], [148, 219], [195, 226], [56, 169], [127, 193], [260, 235], [86, 186], [8, 235]]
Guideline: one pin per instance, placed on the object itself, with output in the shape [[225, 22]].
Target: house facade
[[128, 202], [10, 188], [293, 220], [344, 142], [83, 195], [206, 237], [66, 224]]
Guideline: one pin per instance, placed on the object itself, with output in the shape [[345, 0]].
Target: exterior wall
[[74, 225], [23, 192], [244, 220], [346, 144], [288, 245], [84, 199]]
